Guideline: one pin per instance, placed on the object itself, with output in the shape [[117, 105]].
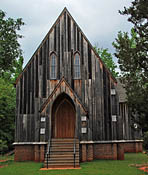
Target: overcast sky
[[98, 19]]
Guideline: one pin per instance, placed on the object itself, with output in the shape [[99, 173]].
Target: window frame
[[53, 66], [77, 67]]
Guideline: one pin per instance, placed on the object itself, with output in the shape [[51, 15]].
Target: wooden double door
[[64, 119]]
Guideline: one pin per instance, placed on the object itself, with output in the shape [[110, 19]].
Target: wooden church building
[[67, 104]]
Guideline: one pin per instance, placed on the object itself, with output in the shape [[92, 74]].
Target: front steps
[[62, 154]]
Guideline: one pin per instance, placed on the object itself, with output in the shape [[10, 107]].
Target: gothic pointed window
[[53, 66], [77, 70]]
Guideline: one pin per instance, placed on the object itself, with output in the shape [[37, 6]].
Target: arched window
[[53, 66], [77, 71]]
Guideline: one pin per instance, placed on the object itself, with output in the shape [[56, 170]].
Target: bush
[[3, 146], [145, 140]]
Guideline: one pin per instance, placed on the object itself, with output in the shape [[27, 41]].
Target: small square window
[[113, 92], [114, 118], [42, 131], [83, 118], [43, 119], [83, 130]]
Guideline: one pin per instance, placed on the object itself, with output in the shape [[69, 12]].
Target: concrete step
[[58, 161], [64, 145], [59, 149], [61, 166], [62, 159], [62, 153], [62, 156], [64, 141]]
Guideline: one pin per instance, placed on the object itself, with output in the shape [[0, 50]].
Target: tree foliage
[[7, 113], [107, 59], [8, 104], [132, 54], [11, 62], [9, 45]]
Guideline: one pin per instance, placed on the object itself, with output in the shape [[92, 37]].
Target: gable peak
[[66, 10]]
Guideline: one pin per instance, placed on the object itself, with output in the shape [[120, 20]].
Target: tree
[[8, 104], [132, 54], [107, 59], [11, 62], [7, 114], [16, 69], [9, 46], [139, 18]]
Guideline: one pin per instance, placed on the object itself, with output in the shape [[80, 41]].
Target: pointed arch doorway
[[63, 117]]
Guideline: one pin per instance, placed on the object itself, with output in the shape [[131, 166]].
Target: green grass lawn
[[97, 167]]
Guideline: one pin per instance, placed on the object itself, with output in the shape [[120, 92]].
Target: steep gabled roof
[[62, 13], [61, 87], [41, 44]]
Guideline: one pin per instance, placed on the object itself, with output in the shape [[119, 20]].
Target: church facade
[[67, 105]]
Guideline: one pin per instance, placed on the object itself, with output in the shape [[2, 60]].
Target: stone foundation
[[107, 149], [30, 152], [89, 150], [133, 147]]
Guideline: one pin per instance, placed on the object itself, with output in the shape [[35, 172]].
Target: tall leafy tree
[[7, 114], [9, 46], [107, 59], [132, 54], [8, 104], [11, 62]]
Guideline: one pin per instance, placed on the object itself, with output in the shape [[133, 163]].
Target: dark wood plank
[[36, 78], [44, 78]]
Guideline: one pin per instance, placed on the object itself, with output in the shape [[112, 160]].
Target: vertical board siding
[[33, 85], [78, 41], [40, 55], [55, 31], [105, 102], [64, 27], [109, 109], [72, 72], [93, 89], [21, 92], [25, 92], [69, 33], [97, 85], [29, 84], [28, 128], [82, 59], [48, 60], [59, 51], [74, 33], [92, 97], [69, 68], [37, 78], [89, 62], [44, 78]]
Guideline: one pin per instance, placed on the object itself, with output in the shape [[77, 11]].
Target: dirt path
[[2, 166], [3, 160], [143, 167]]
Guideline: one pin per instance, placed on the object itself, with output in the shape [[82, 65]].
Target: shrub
[[145, 140]]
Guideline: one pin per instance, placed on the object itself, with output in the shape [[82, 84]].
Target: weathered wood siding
[[93, 89]]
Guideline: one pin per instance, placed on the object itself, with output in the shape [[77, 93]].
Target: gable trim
[[49, 99]]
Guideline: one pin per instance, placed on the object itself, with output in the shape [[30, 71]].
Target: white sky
[[98, 19]]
